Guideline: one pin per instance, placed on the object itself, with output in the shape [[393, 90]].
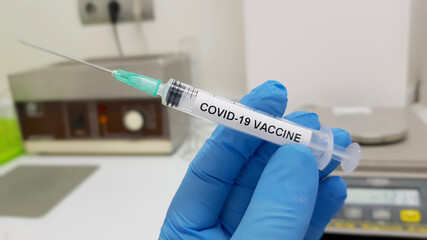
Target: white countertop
[[125, 198]]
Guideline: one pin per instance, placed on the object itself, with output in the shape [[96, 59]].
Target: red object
[[101, 108]]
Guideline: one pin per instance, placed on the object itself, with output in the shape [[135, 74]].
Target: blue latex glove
[[241, 187]]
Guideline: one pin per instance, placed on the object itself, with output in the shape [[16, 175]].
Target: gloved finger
[[330, 198], [342, 138], [242, 190], [201, 195], [244, 185], [284, 199]]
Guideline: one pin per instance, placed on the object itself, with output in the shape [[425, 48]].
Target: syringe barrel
[[251, 121]]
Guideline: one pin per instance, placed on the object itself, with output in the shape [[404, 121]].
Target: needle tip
[[65, 56]]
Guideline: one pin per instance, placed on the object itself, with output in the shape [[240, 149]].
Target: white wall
[[216, 26], [330, 52]]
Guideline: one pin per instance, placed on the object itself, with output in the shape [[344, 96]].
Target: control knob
[[133, 120]]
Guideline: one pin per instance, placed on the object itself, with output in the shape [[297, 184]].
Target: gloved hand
[[241, 187]]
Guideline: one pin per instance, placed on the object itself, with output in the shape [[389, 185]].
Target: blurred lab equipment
[[73, 109], [388, 191], [10, 138]]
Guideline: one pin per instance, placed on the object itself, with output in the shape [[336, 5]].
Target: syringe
[[208, 106]]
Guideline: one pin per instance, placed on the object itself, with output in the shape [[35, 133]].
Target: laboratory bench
[[119, 197], [125, 197]]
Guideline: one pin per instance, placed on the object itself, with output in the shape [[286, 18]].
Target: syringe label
[[249, 121]]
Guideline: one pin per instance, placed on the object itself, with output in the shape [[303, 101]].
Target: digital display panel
[[382, 196]]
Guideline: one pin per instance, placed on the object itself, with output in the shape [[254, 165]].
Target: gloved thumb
[[284, 199]]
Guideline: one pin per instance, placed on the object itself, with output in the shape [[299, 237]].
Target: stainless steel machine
[[73, 109]]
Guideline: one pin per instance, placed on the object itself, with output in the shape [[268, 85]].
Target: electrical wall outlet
[[96, 11]]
